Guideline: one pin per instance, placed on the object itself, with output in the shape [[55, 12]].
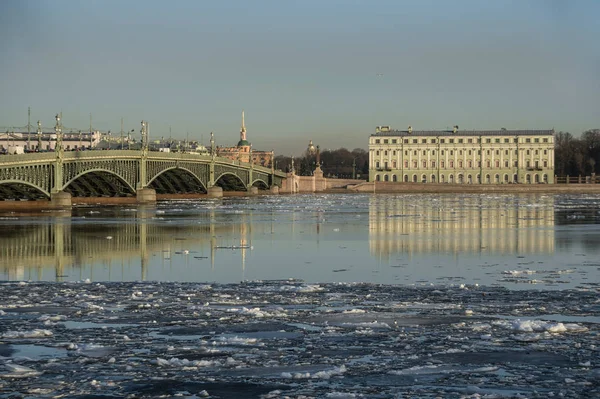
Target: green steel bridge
[[127, 173]]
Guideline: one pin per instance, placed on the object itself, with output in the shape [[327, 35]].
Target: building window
[[528, 140], [536, 152], [497, 163], [451, 141], [425, 164], [451, 152], [406, 164], [405, 141], [505, 152], [488, 164], [415, 152], [385, 153], [545, 164], [442, 164], [415, 141], [377, 164], [488, 140], [506, 140], [424, 153], [497, 140], [527, 164], [394, 164], [536, 140], [442, 141], [497, 152], [506, 164], [460, 164], [516, 164], [460, 141], [415, 164], [377, 152], [545, 152], [469, 164], [433, 152], [377, 178], [394, 141], [377, 141], [405, 153], [469, 140], [394, 153], [451, 163], [433, 141], [545, 140], [460, 152], [527, 152], [433, 164], [442, 152], [488, 152], [516, 140], [385, 141], [424, 141]]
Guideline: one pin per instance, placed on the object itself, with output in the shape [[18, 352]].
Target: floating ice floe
[[37, 333]]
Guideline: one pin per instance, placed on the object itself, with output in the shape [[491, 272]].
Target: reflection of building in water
[[60, 243], [451, 224]]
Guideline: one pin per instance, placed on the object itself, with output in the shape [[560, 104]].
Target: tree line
[[340, 163], [573, 156], [577, 156]]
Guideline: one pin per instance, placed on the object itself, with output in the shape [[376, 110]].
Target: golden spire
[[243, 129]]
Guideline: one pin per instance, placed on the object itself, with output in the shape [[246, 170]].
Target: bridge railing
[[132, 154]]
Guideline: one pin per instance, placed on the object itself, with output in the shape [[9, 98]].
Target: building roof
[[449, 133], [243, 143]]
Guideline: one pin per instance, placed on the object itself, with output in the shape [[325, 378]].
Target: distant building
[[463, 157], [46, 141], [243, 152]]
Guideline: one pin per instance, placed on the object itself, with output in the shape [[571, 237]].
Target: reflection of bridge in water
[[61, 243], [466, 224]]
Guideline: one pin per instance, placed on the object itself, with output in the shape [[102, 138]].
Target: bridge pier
[[215, 192], [274, 189], [145, 196], [60, 199], [252, 190]]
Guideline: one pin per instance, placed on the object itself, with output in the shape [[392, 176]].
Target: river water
[[305, 296], [551, 241]]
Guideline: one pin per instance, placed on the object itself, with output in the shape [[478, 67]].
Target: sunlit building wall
[[462, 157]]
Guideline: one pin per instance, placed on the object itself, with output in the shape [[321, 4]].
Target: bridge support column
[[252, 190], [61, 199], [145, 196], [274, 190], [215, 192]]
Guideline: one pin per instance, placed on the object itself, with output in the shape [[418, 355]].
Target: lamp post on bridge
[[144, 133], [59, 137], [39, 136]]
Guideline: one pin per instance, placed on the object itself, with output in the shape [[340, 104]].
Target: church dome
[[243, 143]]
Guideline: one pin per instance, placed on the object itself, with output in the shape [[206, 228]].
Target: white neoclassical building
[[461, 157]]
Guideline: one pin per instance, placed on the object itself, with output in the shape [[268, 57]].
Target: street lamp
[[39, 136]]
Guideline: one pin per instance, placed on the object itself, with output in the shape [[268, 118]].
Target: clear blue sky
[[301, 69]]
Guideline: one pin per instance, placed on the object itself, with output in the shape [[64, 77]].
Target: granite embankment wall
[[389, 187]]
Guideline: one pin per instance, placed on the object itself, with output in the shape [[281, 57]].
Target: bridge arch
[[177, 180], [260, 183], [100, 181], [230, 182], [8, 186]]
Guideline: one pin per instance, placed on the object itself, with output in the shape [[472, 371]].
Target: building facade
[[243, 151], [462, 157]]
